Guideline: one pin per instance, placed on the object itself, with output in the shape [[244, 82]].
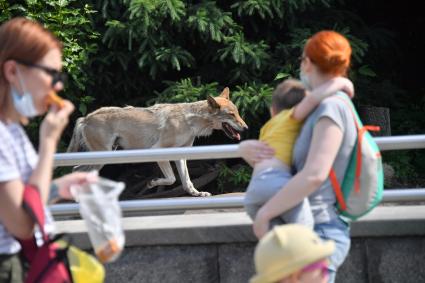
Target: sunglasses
[[321, 265], [57, 76]]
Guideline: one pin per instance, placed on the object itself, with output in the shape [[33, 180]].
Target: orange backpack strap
[[360, 132], [337, 189]]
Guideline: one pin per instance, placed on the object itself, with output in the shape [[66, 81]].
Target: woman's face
[[305, 67], [37, 81]]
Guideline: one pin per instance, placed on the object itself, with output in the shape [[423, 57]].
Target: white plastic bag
[[101, 212]]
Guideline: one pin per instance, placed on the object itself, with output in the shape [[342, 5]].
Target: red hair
[[330, 52], [25, 40]]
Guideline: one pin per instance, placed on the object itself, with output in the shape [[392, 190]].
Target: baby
[[292, 253], [291, 104]]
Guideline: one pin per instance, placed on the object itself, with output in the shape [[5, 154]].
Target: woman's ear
[[10, 72], [308, 64]]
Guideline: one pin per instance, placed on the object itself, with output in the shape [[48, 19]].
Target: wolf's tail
[[77, 141]]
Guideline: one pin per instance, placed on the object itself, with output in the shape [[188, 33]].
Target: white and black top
[[18, 159]]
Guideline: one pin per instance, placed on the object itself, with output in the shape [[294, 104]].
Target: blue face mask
[[24, 103], [304, 79]]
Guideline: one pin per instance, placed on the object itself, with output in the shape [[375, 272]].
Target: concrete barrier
[[388, 246]]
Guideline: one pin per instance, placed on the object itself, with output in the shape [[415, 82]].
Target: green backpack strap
[[361, 130]]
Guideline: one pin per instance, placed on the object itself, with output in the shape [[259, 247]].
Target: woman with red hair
[[326, 140], [30, 70]]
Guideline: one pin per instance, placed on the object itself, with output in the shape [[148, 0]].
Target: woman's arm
[[326, 141], [50, 131], [12, 214], [15, 218], [313, 98], [63, 184]]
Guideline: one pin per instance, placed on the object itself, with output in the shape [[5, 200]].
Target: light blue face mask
[[304, 79], [24, 103]]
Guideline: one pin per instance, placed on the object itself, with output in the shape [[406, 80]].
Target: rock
[[389, 175]]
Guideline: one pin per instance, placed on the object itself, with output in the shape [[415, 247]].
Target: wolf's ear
[[225, 93], [212, 103]]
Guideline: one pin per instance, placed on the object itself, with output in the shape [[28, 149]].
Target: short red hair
[[330, 51]]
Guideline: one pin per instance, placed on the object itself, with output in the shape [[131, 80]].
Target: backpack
[[56, 260], [363, 184]]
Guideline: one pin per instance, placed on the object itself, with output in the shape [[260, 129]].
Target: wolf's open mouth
[[231, 132]]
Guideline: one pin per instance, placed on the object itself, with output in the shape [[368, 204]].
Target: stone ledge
[[388, 221], [235, 227]]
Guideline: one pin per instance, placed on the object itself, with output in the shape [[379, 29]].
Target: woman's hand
[[64, 183], [254, 151], [261, 224], [55, 122]]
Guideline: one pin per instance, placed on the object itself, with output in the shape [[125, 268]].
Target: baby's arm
[[253, 151], [313, 98]]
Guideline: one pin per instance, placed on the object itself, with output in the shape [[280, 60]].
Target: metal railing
[[200, 152], [207, 152], [134, 207]]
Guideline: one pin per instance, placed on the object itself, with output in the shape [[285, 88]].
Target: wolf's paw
[[200, 194], [152, 183]]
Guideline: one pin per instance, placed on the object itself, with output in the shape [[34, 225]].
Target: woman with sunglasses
[[30, 69], [292, 254]]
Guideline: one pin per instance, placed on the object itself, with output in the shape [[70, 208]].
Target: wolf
[[161, 125]]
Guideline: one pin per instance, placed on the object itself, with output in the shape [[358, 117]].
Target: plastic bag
[[101, 212], [55, 260]]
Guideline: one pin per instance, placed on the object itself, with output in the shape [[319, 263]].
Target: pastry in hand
[[53, 99]]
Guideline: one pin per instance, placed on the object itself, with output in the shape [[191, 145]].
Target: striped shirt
[[18, 159]]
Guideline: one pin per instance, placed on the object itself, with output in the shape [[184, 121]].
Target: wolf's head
[[225, 115]]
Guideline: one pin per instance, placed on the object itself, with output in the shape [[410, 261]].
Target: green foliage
[[211, 22], [248, 57], [71, 21], [185, 91], [403, 164], [262, 8], [407, 119], [253, 102], [270, 9], [238, 176], [140, 52]]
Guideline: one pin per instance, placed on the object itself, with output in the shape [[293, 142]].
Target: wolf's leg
[[87, 168], [167, 170], [96, 142], [186, 182]]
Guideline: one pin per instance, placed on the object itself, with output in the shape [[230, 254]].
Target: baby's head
[[286, 95]]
